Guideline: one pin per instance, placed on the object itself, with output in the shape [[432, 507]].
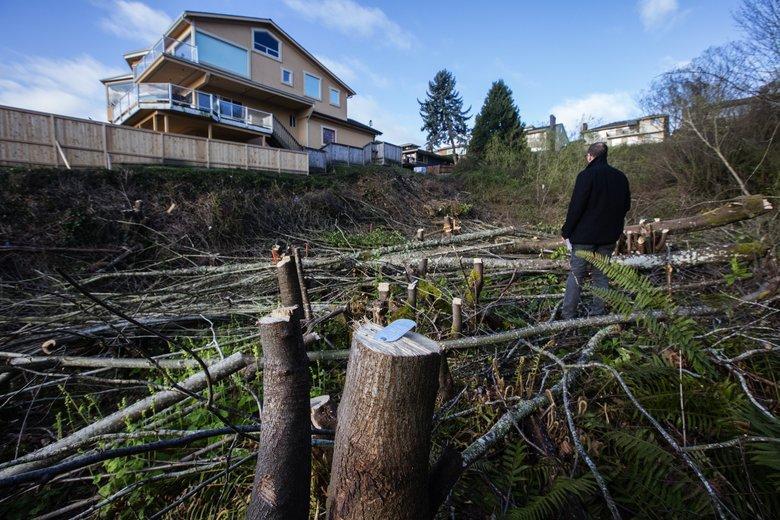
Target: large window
[[328, 135], [311, 86], [335, 97], [266, 43], [221, 54]]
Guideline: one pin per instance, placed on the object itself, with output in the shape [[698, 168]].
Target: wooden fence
[[377, 152], [40, 139]]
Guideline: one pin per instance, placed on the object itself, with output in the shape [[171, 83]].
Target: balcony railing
[[166, 45], [175, 97]]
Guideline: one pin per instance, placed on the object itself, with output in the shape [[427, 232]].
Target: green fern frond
[[556, 500]]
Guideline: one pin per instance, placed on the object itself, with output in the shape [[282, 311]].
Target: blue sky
[[578, 60]]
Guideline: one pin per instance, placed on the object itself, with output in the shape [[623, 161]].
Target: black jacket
[[598, 206]]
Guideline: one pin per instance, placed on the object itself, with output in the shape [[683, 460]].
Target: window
[[266, 43], [287, 77], [311, 86], [328, 135], [293, 121], [335, 97], [221, 54]]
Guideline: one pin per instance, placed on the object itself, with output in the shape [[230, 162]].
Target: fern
[[556, 500], [678, 331]]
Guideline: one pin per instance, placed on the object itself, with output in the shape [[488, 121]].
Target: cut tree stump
[[283, 472], [289, 285], [383, 436]]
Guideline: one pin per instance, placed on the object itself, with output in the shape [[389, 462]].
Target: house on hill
[[541, 138], [648, 129], [413, 156], [234, 78]]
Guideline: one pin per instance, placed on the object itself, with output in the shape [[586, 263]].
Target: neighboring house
[[234, 78], [412, 156], [648, 129], [539, 138], [460, 149]]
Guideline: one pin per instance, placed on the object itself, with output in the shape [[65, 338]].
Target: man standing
[[594, 222]]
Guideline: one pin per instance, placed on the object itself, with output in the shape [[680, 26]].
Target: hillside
[[118, 286]]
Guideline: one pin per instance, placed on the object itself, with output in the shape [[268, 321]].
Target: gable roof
[[626, 122], [237, 18]]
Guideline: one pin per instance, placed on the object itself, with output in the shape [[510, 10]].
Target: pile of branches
[[71, 337]]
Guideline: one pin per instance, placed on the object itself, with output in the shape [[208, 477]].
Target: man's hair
[[598, 150]]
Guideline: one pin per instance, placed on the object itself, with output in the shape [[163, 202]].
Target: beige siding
[[344, 134], [268, 70]]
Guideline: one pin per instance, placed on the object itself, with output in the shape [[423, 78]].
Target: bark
[[289, 286], [684, 258], [380, 458], [283, 472], [307, 313]]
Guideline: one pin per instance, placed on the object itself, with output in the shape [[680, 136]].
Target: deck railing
[[166, 45], [178, 97]]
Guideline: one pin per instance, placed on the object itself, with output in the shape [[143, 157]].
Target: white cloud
[[660, 14], [396, 128], [353, 70], [669, 63], [595, 108], [135, 21], [70, 86], [351, 18]]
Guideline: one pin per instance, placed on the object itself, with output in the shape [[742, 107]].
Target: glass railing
[[166, 45], [178, 96]]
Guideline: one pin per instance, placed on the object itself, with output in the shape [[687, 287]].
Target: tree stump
[[289, 285], [283, 472], [383, 436]]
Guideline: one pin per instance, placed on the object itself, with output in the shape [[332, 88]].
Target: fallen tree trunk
[[283, 472], [118, 420], [558, 326], [383, 435], [741, 208], [683, 258]]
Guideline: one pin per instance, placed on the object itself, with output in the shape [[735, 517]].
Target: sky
[[574, 59]]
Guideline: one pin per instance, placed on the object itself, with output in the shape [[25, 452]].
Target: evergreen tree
[[498, 120], [444, 120]]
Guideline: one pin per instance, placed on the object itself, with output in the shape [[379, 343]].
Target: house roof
[[349, 122], [236, 18], [117, 78], [537, 129], [626, 122]]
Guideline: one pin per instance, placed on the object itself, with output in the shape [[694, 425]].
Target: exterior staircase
[[284, 138]]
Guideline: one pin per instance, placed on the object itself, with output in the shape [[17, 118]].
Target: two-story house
[[647, 129], [234, 78], [542, 138]]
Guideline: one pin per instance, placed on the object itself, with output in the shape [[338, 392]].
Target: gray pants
[[579, 268]]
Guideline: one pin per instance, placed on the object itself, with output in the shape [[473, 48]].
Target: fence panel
[[30, 138]]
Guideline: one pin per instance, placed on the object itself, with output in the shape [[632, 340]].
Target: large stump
[[380, 459], [283, 471]]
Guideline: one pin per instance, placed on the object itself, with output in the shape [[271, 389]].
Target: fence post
[[383, 434], [53, 131], [279, 160], [162, 148], [246, 156], [106, 155]]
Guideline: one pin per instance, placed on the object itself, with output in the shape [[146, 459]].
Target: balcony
[[167, 96], [166, 45]]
